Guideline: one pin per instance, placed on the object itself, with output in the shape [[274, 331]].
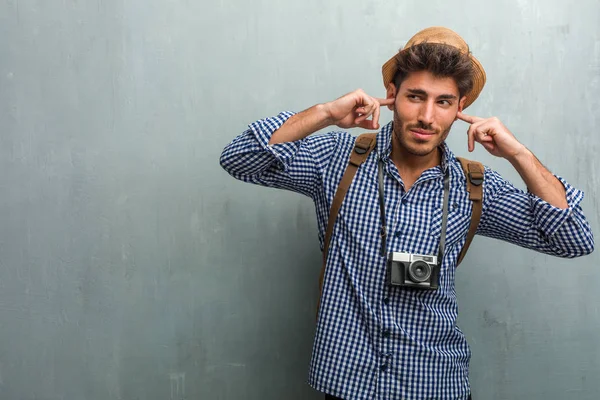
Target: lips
[[422, 134]]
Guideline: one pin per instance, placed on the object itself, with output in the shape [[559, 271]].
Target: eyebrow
[[440, 97]]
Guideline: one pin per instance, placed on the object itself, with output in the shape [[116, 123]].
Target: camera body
[[413, 270]]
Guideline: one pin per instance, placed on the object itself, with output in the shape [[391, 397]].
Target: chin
[[420, 150]]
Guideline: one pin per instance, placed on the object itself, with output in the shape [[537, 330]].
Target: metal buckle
[[359, 149], [476, 178]]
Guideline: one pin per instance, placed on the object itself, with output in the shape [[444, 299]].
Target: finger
[[468, 118], [480, 132], [483, 137], [471, 137], [489, 146], [485, 130], [365, 104], [375, 120], [385, 102], [363, 114], [363, 120], [368, 112]]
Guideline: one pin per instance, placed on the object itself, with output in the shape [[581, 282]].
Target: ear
[[391, 94], [461, 105]]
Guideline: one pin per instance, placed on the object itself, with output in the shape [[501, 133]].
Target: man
[[376, 339]]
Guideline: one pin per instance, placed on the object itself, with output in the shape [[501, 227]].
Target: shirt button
[[386, 301], [397, 234], [404, 201], [387, 333], [384, 367]]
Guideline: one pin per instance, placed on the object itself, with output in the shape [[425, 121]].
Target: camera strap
[[382, 208], [444, 212], [444, 216]]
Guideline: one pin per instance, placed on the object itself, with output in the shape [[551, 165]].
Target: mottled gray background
[[133, 267]]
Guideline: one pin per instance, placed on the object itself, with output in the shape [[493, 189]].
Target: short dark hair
[[441, 60]]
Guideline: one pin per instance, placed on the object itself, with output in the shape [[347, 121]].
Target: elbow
[[582, 249], [236, 165], [223, 160], [589, 247], [228, 162]]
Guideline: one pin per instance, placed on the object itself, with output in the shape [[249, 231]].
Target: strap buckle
[[361, 147], [360, 150], [476, 177]]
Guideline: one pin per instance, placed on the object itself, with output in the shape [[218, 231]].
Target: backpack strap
[[474, 172], [363, 146]]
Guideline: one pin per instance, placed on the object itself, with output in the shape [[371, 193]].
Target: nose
[[426, 113]]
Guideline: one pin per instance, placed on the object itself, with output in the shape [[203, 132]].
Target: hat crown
[[439, 35]]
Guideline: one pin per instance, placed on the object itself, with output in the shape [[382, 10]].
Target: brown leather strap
[[474, 173], [363, 146]]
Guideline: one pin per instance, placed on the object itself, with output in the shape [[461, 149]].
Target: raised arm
[[548, 218], [279, 152]]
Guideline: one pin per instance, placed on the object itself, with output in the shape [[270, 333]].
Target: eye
[[414, 97], [445, 103]]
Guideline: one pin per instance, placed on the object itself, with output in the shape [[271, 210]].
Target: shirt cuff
[[263, 129], [550, 218]]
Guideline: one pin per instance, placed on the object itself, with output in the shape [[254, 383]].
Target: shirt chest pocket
[[459, 217]]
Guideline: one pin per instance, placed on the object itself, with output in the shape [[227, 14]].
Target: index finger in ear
[[385, 102], [468, 118]]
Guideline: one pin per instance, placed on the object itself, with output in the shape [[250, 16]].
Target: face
[[424, 110]]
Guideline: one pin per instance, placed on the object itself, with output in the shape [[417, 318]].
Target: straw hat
[[446, 36]]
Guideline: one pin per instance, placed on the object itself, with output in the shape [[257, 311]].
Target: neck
[[411, 163]]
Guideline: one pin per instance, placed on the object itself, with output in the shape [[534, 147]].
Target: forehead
[[430, 84]]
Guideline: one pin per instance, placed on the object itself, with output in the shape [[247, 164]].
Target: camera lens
[[419, 271]]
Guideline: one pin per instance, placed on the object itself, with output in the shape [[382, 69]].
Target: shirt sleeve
[[524, 219], [296, 166]]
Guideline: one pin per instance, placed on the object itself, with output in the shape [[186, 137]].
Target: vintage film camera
[[413, 270]]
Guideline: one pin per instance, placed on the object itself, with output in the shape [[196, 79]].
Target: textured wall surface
[[133, 267]]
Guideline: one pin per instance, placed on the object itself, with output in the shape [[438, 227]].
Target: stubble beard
[[414, 147]]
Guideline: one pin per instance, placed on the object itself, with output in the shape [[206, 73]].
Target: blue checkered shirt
[[379, 342]]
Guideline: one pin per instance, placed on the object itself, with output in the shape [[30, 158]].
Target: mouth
[[422, 134]]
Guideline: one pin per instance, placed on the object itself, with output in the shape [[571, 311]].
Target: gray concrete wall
[[133, 267]]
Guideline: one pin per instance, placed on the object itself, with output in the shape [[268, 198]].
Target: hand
[[353, 109], [492, 135]]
